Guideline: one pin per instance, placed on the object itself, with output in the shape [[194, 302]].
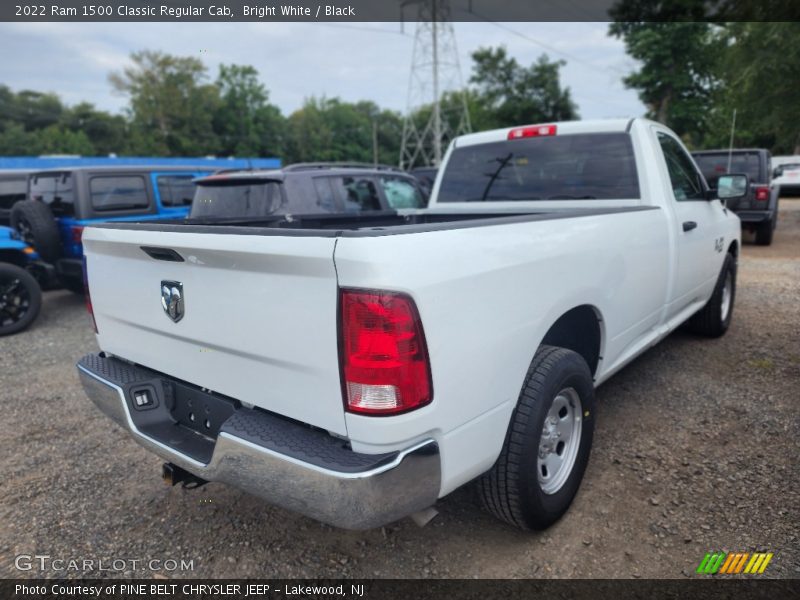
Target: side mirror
[[732, 187], [777, 172]]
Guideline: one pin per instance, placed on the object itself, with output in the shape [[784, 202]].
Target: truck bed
[[360, 225]]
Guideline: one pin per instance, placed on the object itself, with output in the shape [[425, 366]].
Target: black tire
[[710, 320], [764, 233], [20, 299], [35, 223], [512, 490]]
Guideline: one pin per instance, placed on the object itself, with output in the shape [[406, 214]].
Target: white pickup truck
[[356, 368]]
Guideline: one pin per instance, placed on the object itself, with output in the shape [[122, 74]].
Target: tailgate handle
[[167, 254]]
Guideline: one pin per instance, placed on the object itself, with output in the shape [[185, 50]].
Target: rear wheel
[[36, 225], [547, 446], [714, 318], [20, 299]]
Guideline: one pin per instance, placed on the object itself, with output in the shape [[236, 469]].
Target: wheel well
[[734, 249], [15, 257], [578, 330]]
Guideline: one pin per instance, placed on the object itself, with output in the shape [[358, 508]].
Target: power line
[[528, 38]]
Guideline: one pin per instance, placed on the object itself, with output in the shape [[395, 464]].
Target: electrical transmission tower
[[435, 69]]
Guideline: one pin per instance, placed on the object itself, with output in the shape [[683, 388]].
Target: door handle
[[689, 225]]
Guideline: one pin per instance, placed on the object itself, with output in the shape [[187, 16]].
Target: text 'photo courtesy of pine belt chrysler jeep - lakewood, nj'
[[356, 368]]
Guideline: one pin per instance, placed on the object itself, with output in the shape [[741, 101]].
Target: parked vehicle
[[13, 188], [356, 368], [304, 189], [426, 177], [62, 202], [758, 209], [786, 175], [20, 294]]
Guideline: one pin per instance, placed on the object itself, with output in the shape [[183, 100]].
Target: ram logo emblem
[[172, 299]]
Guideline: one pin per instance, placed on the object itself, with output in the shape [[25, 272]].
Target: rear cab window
[[56, 190], [587, 166]]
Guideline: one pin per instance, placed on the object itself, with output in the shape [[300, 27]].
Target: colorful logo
[[734, 563]]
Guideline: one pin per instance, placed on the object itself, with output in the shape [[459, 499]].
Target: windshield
[[234, 199], [570, 167], [714, 165]]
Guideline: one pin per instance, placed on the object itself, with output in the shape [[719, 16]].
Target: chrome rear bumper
[[401, 484]]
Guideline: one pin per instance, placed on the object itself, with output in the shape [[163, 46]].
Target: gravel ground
[[696, 449]]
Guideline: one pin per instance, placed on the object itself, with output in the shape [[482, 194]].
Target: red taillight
[[88, 296], [762, 193], [385, 363], [77, 234], [531, 131]]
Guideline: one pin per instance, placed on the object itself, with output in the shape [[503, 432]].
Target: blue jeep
[[20, 294], [61, 202]]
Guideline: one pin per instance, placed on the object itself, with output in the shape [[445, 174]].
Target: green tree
[[246, 123], [761, 71], [107, 133], [678, 74], [171, 105], [59, 140], [508, 93], [328, 129], [15, 141], [33, 110]]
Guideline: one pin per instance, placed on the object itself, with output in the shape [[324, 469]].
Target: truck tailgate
[[259, 315]]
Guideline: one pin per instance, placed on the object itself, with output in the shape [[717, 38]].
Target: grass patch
[[765, 364]]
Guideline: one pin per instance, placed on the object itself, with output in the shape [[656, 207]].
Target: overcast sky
[[297, 60]]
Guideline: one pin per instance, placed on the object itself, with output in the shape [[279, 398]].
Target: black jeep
[[305, 188], [758, 210]]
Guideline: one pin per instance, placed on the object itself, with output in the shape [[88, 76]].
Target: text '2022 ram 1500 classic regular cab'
[[358, 368]]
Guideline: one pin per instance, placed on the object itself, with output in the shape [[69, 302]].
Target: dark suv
[[305, 188], [758, 210], [61, 202]]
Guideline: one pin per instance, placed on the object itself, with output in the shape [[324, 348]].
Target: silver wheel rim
[[560, 440], [726, 296]]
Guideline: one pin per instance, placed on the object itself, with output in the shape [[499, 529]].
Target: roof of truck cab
[[562, 128]]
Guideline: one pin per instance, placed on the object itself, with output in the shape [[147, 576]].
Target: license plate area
[[200, 411]]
